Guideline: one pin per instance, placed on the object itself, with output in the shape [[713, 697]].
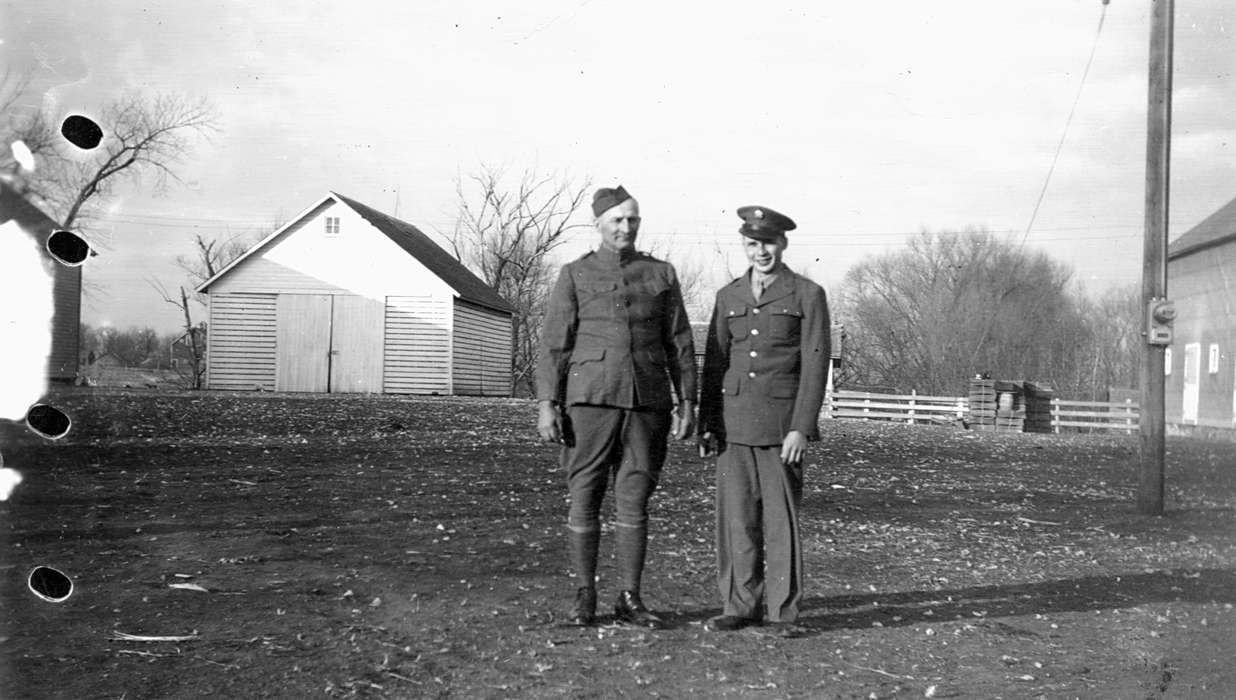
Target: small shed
[[1200, 386], [66, 283], [344, 298]]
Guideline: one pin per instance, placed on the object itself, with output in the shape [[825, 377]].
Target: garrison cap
[[763, 224], [605, 198]]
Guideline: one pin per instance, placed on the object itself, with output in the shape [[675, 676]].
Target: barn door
[[1192, 382], [302, 342], [356, 345]]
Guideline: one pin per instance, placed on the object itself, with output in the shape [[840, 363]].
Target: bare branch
[[507, 235], [142, 135]]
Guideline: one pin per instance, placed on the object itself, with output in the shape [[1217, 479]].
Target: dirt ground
[[384, 547]]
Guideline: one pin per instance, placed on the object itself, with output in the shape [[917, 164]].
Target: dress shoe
[[630, 608], [728, 623], [585, 609]]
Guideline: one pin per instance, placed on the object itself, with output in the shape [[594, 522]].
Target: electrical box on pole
[[1160, 313]]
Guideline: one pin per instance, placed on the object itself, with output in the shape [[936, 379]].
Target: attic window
[[332, 226]]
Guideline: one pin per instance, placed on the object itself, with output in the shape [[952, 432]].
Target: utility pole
[[1158, 311]]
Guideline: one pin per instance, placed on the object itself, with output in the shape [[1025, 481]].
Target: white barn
[[347, 299]]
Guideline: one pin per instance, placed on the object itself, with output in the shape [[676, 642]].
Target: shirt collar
[[770, 277], [613, 257]]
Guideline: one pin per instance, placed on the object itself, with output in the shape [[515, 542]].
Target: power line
[[1060, 146]]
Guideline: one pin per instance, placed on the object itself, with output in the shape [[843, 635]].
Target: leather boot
[[630, 548], [630, 608], [585, 610], [583, 547]]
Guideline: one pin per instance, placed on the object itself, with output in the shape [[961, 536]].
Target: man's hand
[[710, 445], [683, 423], [549, 421], [793, 447]]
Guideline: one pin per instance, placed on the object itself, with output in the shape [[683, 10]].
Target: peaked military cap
[[763, 224], [605, 198]]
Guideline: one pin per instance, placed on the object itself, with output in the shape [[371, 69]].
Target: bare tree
[[209, 257], [1110, 359], [143, 135], [212, 255], [951, 305], [696, 297], [21, 120], [507, 232], [133, 346]]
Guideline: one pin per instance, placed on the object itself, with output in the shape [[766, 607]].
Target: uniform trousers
[[759, 555], [630, 444]]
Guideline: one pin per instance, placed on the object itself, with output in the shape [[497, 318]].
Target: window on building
[[332, 226], [1214, 358], [1167, 362]]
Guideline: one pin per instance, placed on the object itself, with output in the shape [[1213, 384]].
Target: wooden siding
[[1203, 286], [66, 283], [241, 336], [417, 345], [302, 342], [66, 323], [482, 351], [356, 339]]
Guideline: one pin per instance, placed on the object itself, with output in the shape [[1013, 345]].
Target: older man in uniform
[[615, 342], [765, 368]]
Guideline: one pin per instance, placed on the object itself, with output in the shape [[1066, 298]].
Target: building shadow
[[822, 614], [1083, 594]]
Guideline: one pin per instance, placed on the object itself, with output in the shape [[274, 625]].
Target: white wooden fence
[[1088, 416], [1081, 416], [907, 408]]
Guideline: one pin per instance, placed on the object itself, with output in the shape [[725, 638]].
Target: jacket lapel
[[741, 288]]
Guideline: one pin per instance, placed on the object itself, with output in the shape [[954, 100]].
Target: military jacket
[[766, 362], [616, 333]]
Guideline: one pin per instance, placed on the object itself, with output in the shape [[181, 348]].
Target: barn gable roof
[[431, 255], [1218, 228], [15, 207], [468, 286]]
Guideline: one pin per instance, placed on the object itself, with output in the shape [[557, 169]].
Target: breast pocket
[[648, 302], [738, 322], [596, 299], [785, 323]]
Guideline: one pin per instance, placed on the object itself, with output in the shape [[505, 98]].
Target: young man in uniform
[[615, 345], [765, 369]]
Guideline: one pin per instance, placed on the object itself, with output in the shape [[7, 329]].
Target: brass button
[[755, 311], [755, 331], [754, 353], [751, 374]]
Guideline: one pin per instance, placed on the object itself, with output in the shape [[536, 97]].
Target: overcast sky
[[865, 122]]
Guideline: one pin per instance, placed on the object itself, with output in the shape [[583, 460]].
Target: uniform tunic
[[615, 346], [765, 369]]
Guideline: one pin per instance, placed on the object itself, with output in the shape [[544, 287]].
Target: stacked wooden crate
[[982, 408], [1010, 407], [1038, 407], [996, 405]]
